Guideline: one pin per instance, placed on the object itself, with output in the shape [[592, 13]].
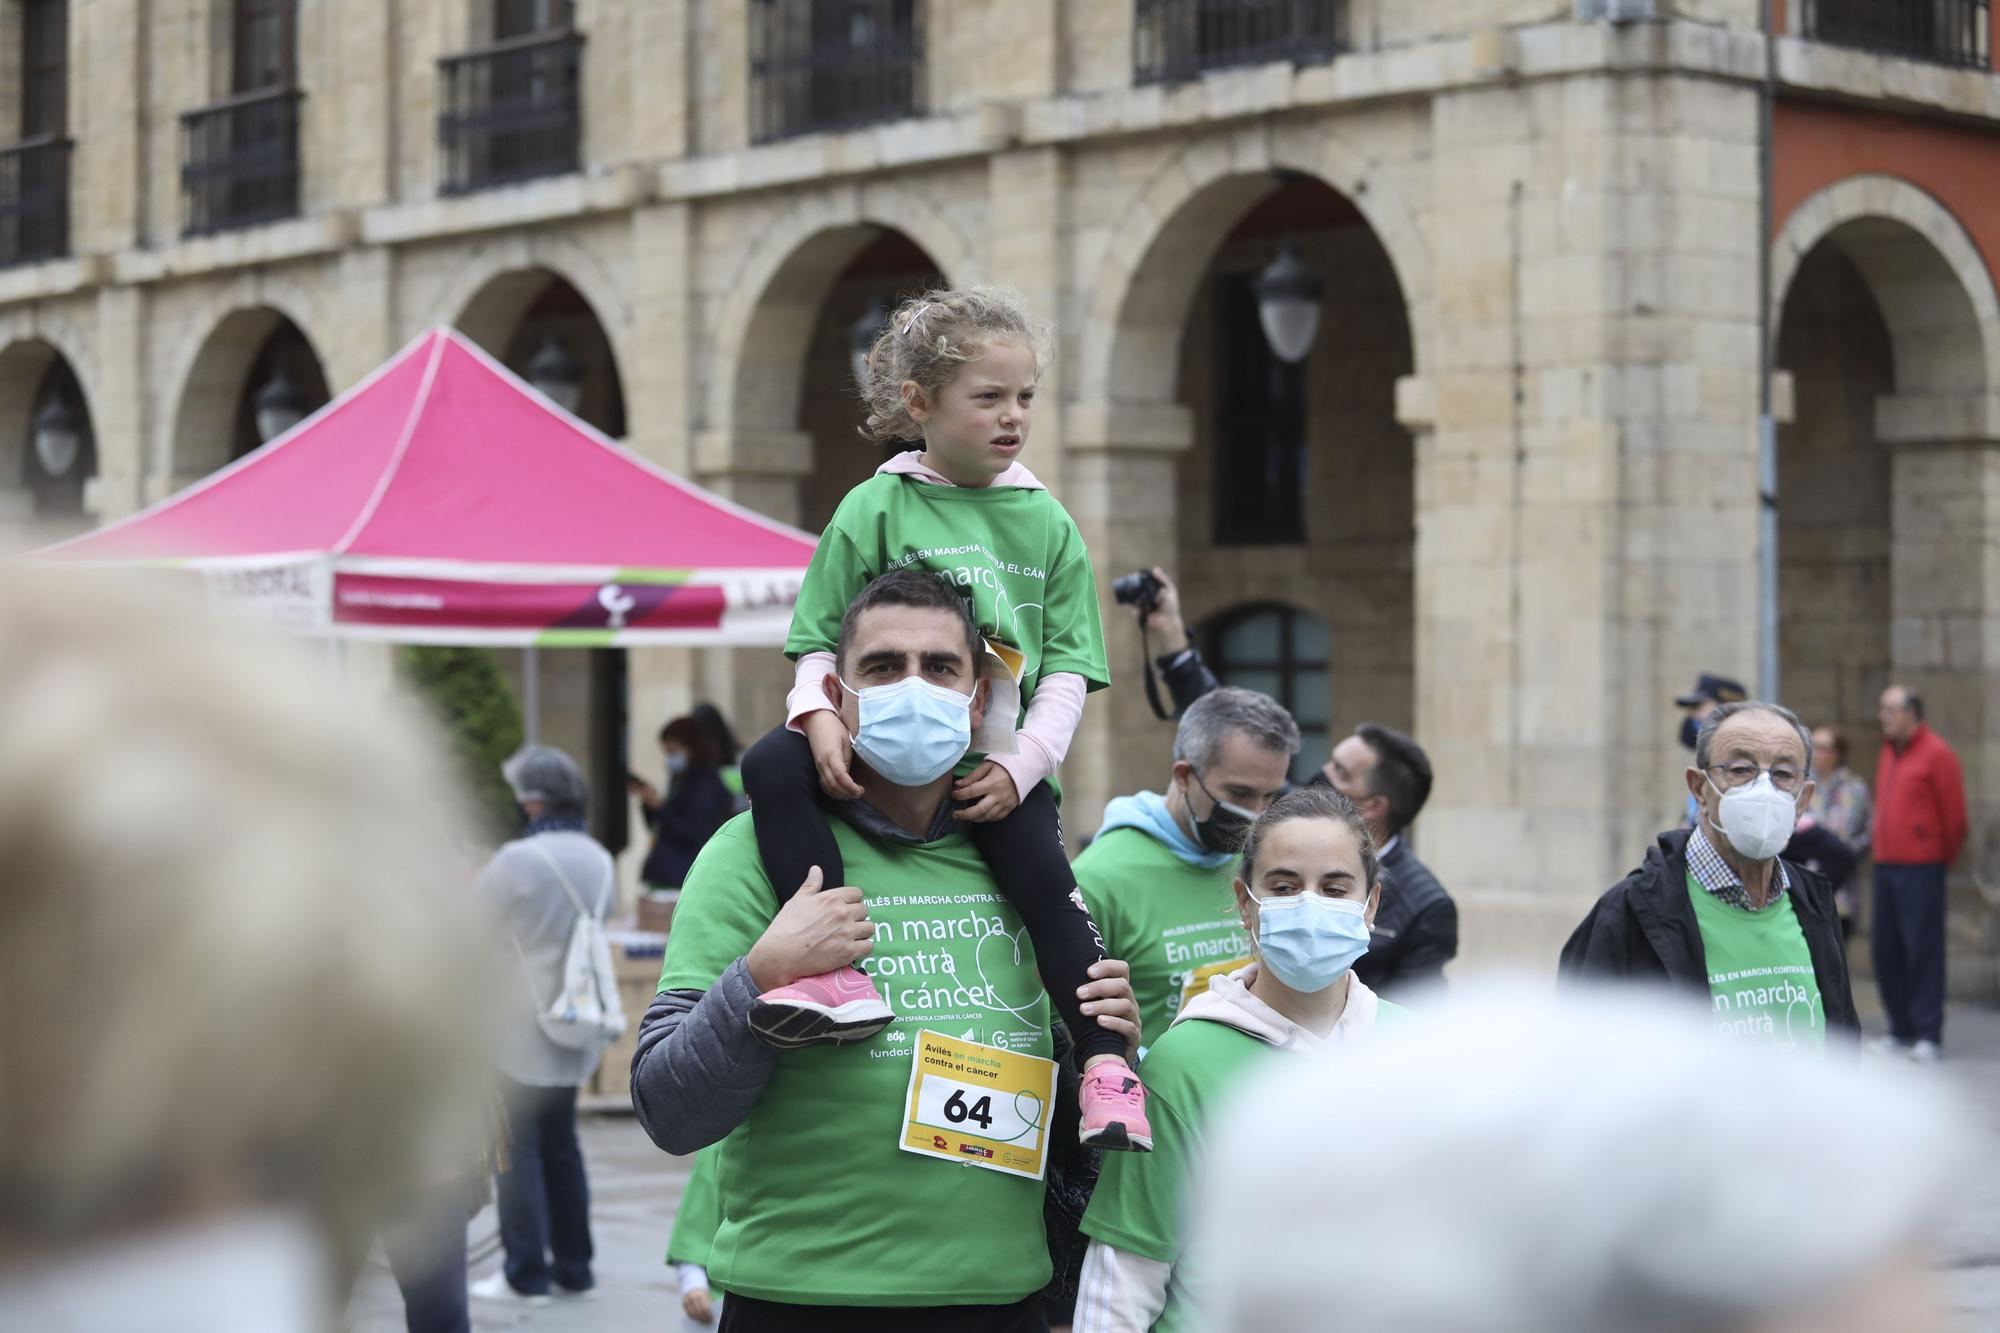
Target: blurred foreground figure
[[236, 1003], [1576, 1162]]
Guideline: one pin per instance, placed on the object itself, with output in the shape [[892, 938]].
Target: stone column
[[1944, 578], [118, 409], [1120, 483], [1586, 497]]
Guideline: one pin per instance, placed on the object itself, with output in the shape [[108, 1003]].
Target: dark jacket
[[1187, 677], [1645, 927], [1416, 928], [694, 809]]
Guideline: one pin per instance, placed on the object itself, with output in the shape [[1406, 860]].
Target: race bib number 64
[[979, 1105]]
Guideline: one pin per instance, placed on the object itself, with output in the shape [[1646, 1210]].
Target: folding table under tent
[[444, 501]]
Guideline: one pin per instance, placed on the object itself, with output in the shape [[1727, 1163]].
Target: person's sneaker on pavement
[[495, 1287], [1114, 1109], [829, 1009], [1887, 1046], [1926, 1053]]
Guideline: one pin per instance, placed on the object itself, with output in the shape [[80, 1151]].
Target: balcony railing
[[833, 65], [34, 200], [512, 112], [1944, 32], [240, 160], [1177, 40]]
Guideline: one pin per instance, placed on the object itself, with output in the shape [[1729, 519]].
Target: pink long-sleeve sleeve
[[808, 689], [1044, 737]]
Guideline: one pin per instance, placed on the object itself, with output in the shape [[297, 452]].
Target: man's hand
[[1108, 998], [990, 788], [833, 755], [1166, 630], [817, 931], [648, 794]]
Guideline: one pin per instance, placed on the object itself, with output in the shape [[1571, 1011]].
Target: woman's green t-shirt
[[1141, 1201]]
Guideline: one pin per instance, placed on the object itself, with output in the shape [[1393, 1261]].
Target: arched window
[[1284, 653]]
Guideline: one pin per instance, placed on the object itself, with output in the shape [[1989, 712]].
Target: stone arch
[[517, 309], [214, 379], [771, 297], [26, 330], [1935, 292], [1161, 246], [27, 366], [485, 289]]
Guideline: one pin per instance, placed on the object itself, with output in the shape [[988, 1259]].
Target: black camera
[[1140, 589]]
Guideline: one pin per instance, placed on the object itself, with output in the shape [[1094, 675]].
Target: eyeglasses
[[1742, 773]]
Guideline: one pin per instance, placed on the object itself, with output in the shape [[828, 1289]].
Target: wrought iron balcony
[[240, 160], [1944, 32], [1177, 40], [833, 65], [513, 111], [34, 200]]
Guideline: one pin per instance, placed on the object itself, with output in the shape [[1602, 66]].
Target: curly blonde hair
[[929, 337]]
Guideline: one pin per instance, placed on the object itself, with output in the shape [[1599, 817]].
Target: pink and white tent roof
[[442, 500]]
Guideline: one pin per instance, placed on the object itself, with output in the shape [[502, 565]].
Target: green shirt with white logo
[[819, 1204], [1014, 551], [1174, 923], [1761, 984]]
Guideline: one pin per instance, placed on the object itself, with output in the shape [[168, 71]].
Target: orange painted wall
[[1816, 144]]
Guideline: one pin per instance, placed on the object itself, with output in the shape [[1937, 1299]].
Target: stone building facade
[[1510, 501]]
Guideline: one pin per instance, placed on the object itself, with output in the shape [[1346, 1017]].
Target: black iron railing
[[34, 200], [240, 160], [1175, 40], [512, 112], [1945, 32], [833, 64]]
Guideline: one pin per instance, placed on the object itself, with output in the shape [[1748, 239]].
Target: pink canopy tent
[[442, 500]]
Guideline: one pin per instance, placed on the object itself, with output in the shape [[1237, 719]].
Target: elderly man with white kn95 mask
[[1712, 909]]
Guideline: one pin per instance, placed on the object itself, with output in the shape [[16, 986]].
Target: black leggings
[[1024, 851]]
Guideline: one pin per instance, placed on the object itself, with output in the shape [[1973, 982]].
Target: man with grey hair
[[536, 886], [1157, 876], [1713, 910]]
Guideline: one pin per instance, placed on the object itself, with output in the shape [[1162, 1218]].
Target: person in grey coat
[[533, 885]]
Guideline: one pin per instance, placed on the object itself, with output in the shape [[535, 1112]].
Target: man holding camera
[[1153, 595]]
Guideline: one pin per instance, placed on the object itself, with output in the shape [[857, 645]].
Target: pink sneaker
[[1114, 1109], [830, 1009]]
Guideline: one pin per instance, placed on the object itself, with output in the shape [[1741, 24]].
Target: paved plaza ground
[[635, 1188]]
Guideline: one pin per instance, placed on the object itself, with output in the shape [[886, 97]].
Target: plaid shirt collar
[[1713, 874]]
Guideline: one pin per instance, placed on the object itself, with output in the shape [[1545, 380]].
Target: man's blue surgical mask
[[1309, 940], [912, 732]]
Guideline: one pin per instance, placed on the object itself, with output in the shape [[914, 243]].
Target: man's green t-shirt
[[1174, 923], [1761, 984], [1014, 551], [819, 1204], [1140, 1205]]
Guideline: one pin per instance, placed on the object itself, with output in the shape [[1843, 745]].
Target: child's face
[[977, 425]]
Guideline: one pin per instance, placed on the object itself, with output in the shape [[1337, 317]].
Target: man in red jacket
[[1919, 828]]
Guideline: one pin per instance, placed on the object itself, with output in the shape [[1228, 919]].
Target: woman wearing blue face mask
[[1306, 891], [696, 802]]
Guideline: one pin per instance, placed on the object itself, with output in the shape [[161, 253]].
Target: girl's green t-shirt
[[819, 1204], [1014, 552], [1173, 923], [1141, 1201]]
